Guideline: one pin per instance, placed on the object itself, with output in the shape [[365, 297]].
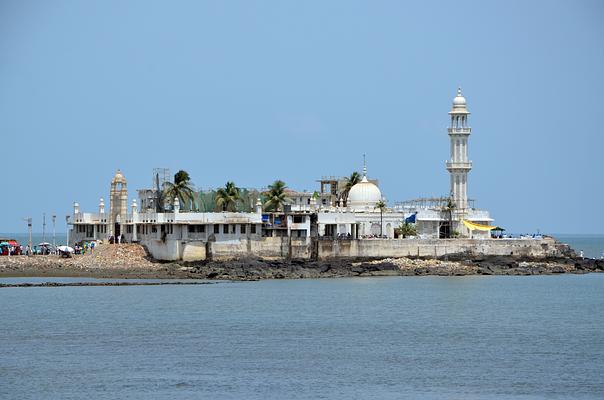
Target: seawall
[[283, 248]]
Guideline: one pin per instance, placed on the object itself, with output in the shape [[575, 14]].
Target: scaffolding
[[428, 203], [161, 175]]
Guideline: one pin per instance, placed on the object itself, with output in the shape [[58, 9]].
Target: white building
[[310, 215]]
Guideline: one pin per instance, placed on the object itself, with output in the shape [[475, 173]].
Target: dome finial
[[364, 166], [459, 90]]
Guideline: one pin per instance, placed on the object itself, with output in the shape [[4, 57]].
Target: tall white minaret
[[459, 165]]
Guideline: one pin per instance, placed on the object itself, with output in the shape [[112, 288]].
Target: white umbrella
[[44, 244], [65, 249]]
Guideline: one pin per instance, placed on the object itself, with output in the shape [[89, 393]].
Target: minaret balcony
[[465, 131], [458, 165]]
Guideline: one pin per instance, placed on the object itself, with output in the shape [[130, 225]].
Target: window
[[242, 228], [216, 228], [299, 219], [153, 228], [201, 228], [191, 228], [225, 229], [233, 228], [253, 228]]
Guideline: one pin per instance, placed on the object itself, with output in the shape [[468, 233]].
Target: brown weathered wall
[[278, 248], [376, 248]]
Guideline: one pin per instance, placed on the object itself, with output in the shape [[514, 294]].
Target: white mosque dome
[[364, 195], [459, 102]]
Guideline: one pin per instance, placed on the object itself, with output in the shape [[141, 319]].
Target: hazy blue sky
[[252, 91]]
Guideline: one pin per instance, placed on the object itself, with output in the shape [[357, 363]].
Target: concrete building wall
[[437, 247], [301, 248]]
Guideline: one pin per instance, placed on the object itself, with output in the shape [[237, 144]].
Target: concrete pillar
[[134, 208]]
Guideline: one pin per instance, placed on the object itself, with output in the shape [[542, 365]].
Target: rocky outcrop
[[131, 261]]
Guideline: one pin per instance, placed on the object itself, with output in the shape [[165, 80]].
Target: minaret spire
[[459, 165], [364, 166]]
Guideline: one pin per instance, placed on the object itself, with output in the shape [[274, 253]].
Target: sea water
[[478, 337]]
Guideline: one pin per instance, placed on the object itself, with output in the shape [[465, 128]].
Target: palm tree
[[382, 206], [352, 180], [448, 208], [407, 229], [181, 188], [276, 197], [228, 197]]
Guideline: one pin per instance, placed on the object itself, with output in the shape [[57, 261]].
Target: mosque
[[363, 216]]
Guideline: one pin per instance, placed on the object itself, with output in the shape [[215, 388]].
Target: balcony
[[459, 165], [466, 131]]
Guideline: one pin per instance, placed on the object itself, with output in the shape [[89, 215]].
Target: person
[[92, 247], [581, 254], [119, 239]]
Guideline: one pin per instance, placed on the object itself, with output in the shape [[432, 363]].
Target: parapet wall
[[280, 248], [376, 248]]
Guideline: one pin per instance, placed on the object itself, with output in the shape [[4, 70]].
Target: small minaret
[[459, 165], [258, 206], [102, 207], [176, 205], [134, 208]]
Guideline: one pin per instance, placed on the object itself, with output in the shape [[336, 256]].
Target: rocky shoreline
[[131, 262]]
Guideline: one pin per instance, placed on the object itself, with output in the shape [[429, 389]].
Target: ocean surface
[[496, 337]]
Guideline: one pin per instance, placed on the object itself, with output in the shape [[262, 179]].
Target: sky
[[253, 91]]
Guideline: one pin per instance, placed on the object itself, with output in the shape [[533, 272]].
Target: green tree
[[275, 197], [352, 180], [181, 188], [382, 206], [406, 229], [228, 197], [449, 208]]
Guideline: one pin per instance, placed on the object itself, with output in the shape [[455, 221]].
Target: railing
[[459, 164], [459, 130]]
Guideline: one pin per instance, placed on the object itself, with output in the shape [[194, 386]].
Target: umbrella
[[4, 244], [44, 244], [65, 249]]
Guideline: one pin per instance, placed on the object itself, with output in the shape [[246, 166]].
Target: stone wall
[[301, 248], [376, 248]]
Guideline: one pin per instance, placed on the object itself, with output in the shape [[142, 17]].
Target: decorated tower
[[118, 203], [459, 165]]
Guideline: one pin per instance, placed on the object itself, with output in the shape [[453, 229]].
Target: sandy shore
[[130, 261]]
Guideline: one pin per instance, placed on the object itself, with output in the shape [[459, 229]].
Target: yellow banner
[[477, 227]]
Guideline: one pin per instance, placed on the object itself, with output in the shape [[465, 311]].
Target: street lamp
[[67, 224], [54, 242], [29, 223]]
